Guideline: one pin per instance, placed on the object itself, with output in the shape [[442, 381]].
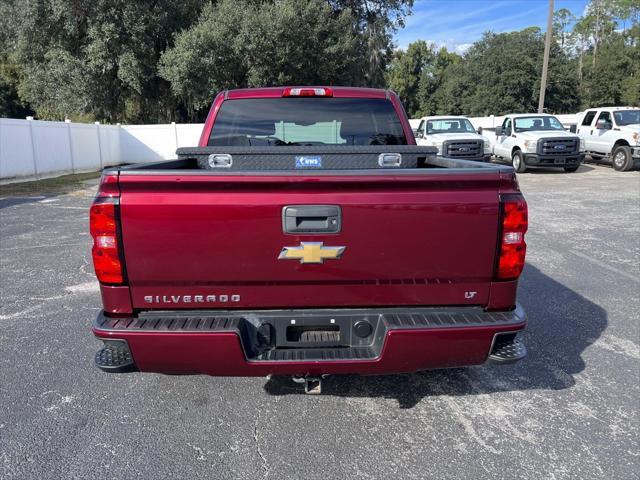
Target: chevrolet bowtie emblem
[[311, 252]]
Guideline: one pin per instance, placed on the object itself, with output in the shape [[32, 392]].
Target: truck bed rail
[[305, 160]]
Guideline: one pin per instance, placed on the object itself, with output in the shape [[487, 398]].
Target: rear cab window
[[306, 121]]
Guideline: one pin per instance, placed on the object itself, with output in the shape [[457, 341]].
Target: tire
[[572, 168], [621, 158], [517, 161]]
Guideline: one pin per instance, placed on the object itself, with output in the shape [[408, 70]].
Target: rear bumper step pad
[[509, 350], [366, 341], [115, 357]]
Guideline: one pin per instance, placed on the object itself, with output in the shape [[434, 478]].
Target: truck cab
[[454, 137], [612, 133], [537, 140]]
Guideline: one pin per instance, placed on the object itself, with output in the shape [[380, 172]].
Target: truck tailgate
[[214, 241]]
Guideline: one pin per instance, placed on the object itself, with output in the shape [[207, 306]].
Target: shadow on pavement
[[550, 170], [562, 324], [12, 194]]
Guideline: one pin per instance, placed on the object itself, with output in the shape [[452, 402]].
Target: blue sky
[[456, 24]]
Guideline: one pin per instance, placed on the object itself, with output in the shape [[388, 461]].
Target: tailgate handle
[[311, 219]]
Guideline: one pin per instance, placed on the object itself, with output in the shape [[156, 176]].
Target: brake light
[[106, 255], [513, 248], [307, 92], [103, 225]]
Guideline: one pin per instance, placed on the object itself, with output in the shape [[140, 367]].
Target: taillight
[[513, 248], [104, 230], [307, 92]]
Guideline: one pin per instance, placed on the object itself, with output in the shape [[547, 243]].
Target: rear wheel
[[517, 160], [621, 158], [572, 168]]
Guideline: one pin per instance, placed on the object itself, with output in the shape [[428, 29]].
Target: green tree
[[96, 59], [561, 20], [501, 74], [456, 87], [431, 79], [375, 22], [405, 73], [607, 48], [417, 74], [613, 80], [241, 44]]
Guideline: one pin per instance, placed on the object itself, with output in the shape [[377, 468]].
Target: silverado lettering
[[191, 298], [346, 247]]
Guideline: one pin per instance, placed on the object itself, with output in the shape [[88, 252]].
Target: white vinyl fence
[[36, 149]]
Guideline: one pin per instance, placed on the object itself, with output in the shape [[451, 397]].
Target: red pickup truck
[[308, 235]]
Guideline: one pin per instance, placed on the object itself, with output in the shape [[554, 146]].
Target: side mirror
[[417, 133], [499, 131], [573, 128], [479, 130], [603, 125]]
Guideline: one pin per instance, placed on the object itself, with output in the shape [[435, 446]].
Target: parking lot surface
[[569, 410]]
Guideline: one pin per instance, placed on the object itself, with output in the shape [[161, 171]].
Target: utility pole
[[545, 61]]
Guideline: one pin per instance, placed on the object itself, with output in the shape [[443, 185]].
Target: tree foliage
[[95, 58], [150, 60], [250, 45], [594, 61]]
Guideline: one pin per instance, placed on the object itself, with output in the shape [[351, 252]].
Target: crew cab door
[[504, 141], [585, 129], [602, 133]]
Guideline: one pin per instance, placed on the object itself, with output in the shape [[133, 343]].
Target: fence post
[[33, 148], [99, 143], [73, 163], [175, 135], [120, 154]]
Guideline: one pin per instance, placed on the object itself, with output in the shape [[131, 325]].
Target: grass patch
[[55, 186]]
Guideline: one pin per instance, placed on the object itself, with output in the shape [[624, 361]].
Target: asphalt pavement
[[569, 410]]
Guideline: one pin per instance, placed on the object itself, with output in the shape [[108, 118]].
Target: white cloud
[[462, 47]]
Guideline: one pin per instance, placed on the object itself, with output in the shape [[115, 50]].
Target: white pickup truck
[[537, 140], [454, 137], [614, 133]]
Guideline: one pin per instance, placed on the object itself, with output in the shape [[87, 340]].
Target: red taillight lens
[[513, 248], [307, 92], [106, 257]]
